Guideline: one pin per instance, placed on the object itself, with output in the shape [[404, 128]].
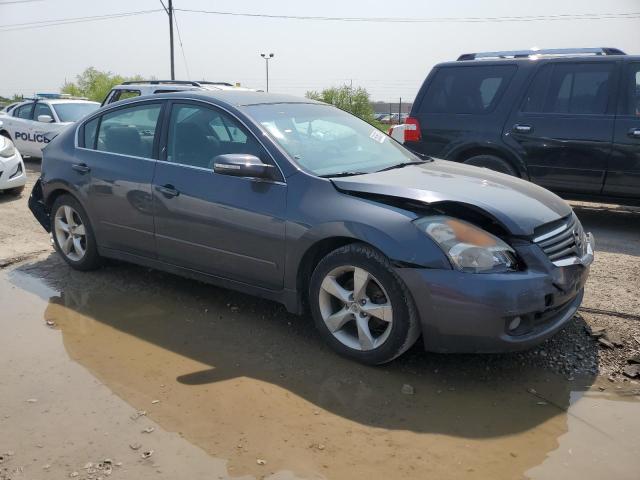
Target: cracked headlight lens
[[469, 248]]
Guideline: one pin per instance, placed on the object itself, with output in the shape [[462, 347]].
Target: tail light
[[412, 130]]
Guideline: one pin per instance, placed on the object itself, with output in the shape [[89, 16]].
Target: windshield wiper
[[404, 164], [343, 174]]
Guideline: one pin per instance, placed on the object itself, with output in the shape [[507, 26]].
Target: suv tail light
[[412, 131]]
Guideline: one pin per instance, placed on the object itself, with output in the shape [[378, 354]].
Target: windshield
[[72, 112], [327, 141]]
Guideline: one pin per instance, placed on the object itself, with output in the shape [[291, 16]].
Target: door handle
[[634, 132], [81, 168], [522, 128], [168, 191]]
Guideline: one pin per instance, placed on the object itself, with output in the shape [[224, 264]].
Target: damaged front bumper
[[501, 312]]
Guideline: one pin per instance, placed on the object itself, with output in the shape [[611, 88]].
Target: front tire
[[73, 235], [361, 307]]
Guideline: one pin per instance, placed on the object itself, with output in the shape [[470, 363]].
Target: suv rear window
[[466, 89]]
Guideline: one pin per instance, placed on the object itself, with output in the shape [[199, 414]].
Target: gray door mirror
[[45, 118], [242, 165]]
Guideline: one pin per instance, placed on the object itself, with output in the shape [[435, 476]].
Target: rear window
[[467, 89]]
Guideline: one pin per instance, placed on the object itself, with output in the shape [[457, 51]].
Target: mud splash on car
[[245, 381]]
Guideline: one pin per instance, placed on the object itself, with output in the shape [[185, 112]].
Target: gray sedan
[[302, 203]]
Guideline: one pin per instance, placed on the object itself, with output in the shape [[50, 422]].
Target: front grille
[[562, 241]]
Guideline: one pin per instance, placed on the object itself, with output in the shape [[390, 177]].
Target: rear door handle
[[522, 128], [81, 168], [168, 191], [634, 132]]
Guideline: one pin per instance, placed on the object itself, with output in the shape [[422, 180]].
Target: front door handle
[[81, 168], [168, 191], [522, 128], [634, 132]]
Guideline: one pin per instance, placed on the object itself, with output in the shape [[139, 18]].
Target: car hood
[[520, 206]]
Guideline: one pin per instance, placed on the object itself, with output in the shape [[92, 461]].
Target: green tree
[[352, 100], [95, 84]]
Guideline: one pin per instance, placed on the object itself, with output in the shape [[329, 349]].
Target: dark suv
[[566, 119]]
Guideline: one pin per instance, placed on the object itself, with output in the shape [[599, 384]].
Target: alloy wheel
[[355, 308], [70, 233]]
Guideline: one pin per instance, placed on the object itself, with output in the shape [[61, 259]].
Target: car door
[[115, 165], [623, 175], [564, 125], [230, 227], [39, 130], [20, 123]]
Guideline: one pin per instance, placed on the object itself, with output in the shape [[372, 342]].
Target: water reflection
[[258, 383]]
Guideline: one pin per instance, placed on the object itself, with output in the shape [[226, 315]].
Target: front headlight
[[6, 147], [469, 248]]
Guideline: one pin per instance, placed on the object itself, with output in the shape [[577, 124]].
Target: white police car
[[32, 124], [13, 176]]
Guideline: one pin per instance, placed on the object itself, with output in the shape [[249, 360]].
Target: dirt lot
[[235, 387]]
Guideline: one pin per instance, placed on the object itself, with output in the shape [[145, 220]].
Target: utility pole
[[169, 11], [266, 59]]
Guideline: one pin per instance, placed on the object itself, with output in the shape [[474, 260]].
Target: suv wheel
[[361, 307], [492, 163], [73, 236]]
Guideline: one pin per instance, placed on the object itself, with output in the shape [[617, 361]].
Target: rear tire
[[360, 306], [73, 235], [492, 163]]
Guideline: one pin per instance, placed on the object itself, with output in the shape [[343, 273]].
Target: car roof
[[236, 98], [534, 61], [54, 101]]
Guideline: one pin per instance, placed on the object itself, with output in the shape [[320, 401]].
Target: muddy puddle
[[243, 381]]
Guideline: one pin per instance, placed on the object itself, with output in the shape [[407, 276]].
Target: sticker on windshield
[[378, 136]]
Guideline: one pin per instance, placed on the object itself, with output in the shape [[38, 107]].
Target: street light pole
[[266, 59]]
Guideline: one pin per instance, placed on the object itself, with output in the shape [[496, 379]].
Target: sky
[[390, 60]]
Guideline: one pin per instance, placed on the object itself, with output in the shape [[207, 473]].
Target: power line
[[19, 1], [527, 18], [66, 21], [184, 57]]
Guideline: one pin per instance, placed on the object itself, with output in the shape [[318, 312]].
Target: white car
[[32, 124], [13, 175], [151, 87]]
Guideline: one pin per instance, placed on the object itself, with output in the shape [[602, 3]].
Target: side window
[[534, 99], [634, 90], [41, 109], [129, 131], [464, 89], [89, 133], [579, 88], [23, 112], [197, 134]]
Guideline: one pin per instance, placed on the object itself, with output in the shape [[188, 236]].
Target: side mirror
[[45, 118], [241, 165]]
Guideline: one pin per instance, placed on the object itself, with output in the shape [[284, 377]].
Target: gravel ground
[[611, 304]]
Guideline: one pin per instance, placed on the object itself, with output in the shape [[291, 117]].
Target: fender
[[455, 151], [410, 247]]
